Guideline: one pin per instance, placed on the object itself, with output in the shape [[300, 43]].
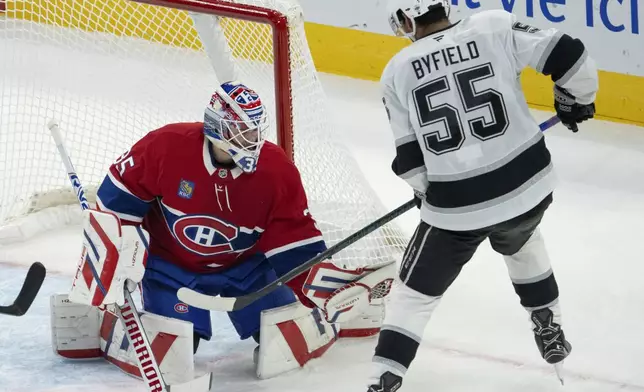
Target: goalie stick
[[128, 314], [229, 304], [28, 292]]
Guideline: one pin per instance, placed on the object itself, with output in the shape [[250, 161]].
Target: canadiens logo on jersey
[[181, 308], [204, 235], [185, 189], [207, 235]]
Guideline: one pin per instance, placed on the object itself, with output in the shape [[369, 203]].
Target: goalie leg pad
[[290, 336], [365, 325], [170, 339], [74, 328], [83, 332]]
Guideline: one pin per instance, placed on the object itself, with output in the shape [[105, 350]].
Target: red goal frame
[[281, 52]]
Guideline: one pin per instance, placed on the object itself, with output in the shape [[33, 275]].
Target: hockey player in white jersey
[[477, 161]]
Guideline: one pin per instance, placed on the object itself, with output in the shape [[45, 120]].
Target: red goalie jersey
[[205, 217]]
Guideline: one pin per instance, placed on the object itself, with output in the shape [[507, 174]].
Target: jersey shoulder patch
[[518, 26]]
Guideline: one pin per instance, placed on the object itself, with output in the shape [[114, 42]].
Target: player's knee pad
[[82, 331], [409, 311], [530, 262], [290, 336]]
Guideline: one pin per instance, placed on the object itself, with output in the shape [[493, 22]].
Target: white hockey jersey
[[464, 135]]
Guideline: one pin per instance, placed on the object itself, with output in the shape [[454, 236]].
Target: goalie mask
[[236, 121], [412, 9]]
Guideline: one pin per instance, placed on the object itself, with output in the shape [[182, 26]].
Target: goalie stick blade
[[28, 292], [199, 384], [209, 302]]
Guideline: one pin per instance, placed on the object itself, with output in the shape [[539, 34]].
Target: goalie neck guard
[[236, 121]]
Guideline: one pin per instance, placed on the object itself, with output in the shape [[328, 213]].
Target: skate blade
[[560, 371]]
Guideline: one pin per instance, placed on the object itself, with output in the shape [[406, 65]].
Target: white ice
[[479, 338]]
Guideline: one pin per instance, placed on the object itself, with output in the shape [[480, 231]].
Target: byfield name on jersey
[[445, 57], [463, 131]]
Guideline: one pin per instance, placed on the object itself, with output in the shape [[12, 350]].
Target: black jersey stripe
[[565, 55], [409, 156], [572, 71], [548, 51], [490, 185], [492, 166]]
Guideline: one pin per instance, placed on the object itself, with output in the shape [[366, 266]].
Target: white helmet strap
[[412, 35]]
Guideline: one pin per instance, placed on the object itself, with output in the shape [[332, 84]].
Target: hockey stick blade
[[229, 304], [28, 292]]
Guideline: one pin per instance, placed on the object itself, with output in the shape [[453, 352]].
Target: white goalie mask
[[236, 121], [411, 9]]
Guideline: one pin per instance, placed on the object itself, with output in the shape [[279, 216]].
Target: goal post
[[112, 70], [281, 61]]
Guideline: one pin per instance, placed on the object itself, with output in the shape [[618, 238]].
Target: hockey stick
[[148, 367], [549, 123], [28, 292], [229, 304]]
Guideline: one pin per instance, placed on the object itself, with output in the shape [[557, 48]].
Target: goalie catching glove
[[113, 256], [344, 295]]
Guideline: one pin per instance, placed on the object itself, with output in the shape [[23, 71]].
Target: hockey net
[[112, 70]]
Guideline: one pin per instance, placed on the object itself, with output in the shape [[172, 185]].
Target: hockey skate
[[389, 382], [550, 339]]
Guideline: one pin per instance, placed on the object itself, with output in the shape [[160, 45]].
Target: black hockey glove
[[569, 111]]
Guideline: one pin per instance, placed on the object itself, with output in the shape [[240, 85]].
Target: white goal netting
[[112, 70]]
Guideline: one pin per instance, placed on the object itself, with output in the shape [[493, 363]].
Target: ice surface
[[479, 338]]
